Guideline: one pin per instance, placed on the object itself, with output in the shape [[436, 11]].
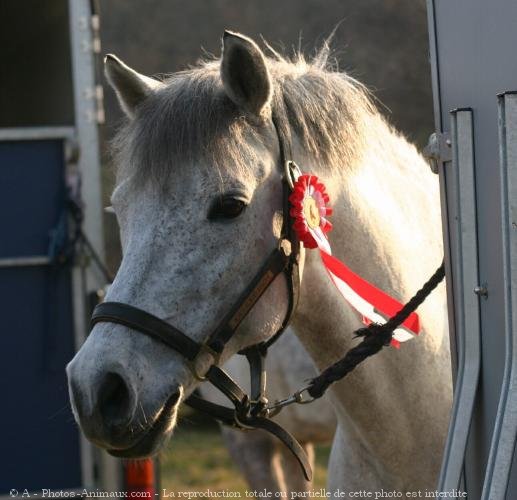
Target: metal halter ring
[[242, 425], [204, 349], [243, 408]]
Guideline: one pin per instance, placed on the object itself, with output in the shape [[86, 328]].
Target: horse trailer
[[50, 108], [474, 76]]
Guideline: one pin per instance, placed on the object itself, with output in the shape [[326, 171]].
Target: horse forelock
[[191, 119]]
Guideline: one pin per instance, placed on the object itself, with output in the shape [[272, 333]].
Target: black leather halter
[[250, 411]]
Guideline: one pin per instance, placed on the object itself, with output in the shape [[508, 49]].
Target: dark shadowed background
[[383, 43]]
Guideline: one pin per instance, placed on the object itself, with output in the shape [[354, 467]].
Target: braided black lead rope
[[375, 337]]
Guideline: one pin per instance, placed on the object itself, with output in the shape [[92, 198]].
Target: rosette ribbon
[[309, 209]]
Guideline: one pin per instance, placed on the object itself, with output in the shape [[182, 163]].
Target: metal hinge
[[92, 43], [96, 47], [438, 149], [99, 104], [96, 39]]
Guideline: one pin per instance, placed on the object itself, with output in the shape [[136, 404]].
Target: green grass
[[196, 459]]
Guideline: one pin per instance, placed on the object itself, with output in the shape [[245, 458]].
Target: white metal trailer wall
[[473, 60]]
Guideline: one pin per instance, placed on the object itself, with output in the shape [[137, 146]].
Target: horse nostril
[[115, 400]]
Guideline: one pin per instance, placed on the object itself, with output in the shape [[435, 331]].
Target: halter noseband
[[250, 411]]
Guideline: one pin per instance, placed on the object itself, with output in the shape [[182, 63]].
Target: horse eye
[[226, 207]]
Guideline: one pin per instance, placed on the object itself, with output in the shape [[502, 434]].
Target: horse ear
[[245, 74], [131, 87]]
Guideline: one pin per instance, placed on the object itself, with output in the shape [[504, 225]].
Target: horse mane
[[191, 118]]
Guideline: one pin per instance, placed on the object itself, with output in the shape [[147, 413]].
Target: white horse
[[263, 460], [198, 201]]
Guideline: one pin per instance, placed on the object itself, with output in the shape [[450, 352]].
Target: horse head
[[199, 204]]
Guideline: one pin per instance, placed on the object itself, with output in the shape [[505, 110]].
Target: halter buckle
[[204, 349], [292, 172]]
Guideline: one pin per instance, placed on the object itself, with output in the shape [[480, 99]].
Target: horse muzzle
[[112, 415]]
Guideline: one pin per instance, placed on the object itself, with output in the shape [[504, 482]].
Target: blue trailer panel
[[42, 451]]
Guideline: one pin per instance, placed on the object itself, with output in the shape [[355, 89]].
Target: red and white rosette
[[310, 209]]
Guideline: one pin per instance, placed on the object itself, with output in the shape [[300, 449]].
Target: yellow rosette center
[[311, 212]]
